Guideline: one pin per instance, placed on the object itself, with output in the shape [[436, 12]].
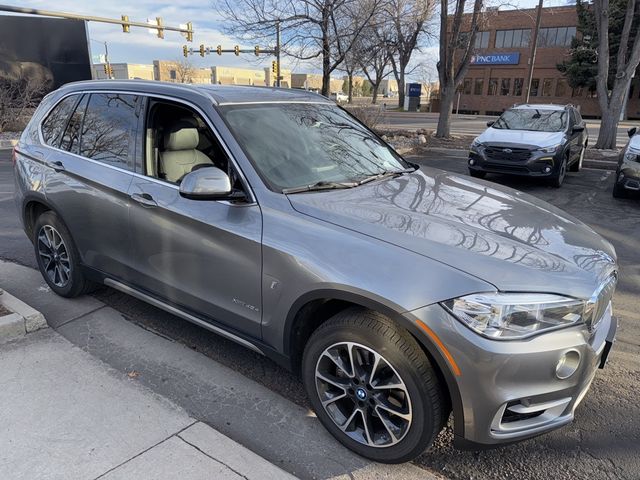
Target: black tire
[[558, 179], [429, 408], [577, 165], [619, 191], [76, 283], [477, 173]]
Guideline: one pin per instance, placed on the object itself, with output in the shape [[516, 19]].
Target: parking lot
[[603, 442]]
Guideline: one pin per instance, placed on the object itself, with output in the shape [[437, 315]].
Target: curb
[[8, 143], [22, 320]]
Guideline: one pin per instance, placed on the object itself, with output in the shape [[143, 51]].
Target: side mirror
[[209, 183], [490, 123], [578, 128], [632, 131]]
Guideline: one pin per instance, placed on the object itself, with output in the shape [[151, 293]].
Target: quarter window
[[56, 121], [71, 138], [108, 130]]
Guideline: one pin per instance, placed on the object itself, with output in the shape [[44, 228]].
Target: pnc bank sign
[[496, 59]]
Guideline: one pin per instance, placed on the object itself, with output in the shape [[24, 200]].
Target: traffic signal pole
[[106, 60], [278, 76]]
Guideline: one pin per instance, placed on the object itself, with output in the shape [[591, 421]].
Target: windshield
[[532, 119], [297, 144]]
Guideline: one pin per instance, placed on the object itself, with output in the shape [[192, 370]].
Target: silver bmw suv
[[272, 217]]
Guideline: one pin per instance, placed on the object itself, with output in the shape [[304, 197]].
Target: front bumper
[[532, 163], [510, 390], [628, 177]]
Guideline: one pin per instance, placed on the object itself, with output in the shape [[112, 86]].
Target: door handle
[[57, 166], [144, 199]]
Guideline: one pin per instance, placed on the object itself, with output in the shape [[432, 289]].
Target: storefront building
[[497, 76]]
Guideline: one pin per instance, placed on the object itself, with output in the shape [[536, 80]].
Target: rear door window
[[55, 123], [109, 129]]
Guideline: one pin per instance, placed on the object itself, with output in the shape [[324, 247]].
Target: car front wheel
[[557, 180], [373, 387]]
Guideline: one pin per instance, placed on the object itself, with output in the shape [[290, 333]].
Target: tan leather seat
[[180, 155]]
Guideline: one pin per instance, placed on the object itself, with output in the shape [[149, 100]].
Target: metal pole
[[534, 50], [278, 53], [106, 60], [49, 13]]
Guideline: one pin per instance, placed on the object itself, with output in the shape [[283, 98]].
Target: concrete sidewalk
[[67, 415]]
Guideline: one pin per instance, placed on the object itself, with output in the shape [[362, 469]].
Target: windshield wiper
[[385, 174], [320, 186]]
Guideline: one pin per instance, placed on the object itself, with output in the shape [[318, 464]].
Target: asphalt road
[[604, 440], [475, 125]]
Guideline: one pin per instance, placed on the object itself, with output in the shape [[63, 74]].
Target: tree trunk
[[400, 80], [326, 58], [374, 93], [350, 87], [611, 108], [447, 95]]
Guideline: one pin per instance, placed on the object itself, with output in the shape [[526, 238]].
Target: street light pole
[[534, 49], [278, 53]]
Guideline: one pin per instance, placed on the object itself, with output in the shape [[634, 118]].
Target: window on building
[[482, 40], [478, 86], [556, 36], [535, 86], [517, 86], [577, 92], [493, 86], [466, 89], [513, 38], [547, 87], [562, 87], [108, 129], [505, 86], [173, 74]]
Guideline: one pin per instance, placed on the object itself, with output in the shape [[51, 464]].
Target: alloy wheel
[[363, 394], [54, 256]]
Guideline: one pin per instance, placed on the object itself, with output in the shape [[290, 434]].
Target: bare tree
[[611, 97], [325, 29], [456, 49], [184, 70], [374, 54], [17, 96], [409, 21]]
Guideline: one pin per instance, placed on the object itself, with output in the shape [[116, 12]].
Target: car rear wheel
[[577, 166], [373, 387], [477, 174], [58, 257]]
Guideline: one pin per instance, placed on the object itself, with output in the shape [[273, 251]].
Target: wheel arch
[[314, 308], [34, 205]]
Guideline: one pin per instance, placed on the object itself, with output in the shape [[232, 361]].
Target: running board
[[182, 314]]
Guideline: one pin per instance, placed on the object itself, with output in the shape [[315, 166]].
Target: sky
[[140, 46]]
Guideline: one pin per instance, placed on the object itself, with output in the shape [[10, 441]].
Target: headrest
[[181, 137]]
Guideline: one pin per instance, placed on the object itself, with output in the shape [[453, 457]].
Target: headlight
[[516, 315], [632, 155], [476, 144], [551, 149]]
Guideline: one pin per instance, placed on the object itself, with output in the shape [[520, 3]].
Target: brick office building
[[497, 76]]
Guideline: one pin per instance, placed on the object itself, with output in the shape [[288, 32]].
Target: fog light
[[472, 161], [547, 169], [568, 364]]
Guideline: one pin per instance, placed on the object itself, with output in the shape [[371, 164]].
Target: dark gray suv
[[276, 219]]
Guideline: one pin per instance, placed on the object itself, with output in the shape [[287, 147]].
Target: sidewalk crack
[[212, 458], [79, 317], [176, 434]]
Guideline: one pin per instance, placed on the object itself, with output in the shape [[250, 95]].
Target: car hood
[[502, 236], [520, 137]]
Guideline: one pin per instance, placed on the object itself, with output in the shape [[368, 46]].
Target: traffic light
[[202, 50], [185, 51], [126, 28], [256, 50], [236, 50], [190, 32], [219, 49], [274, 67], [160, 29], [106, 69]]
